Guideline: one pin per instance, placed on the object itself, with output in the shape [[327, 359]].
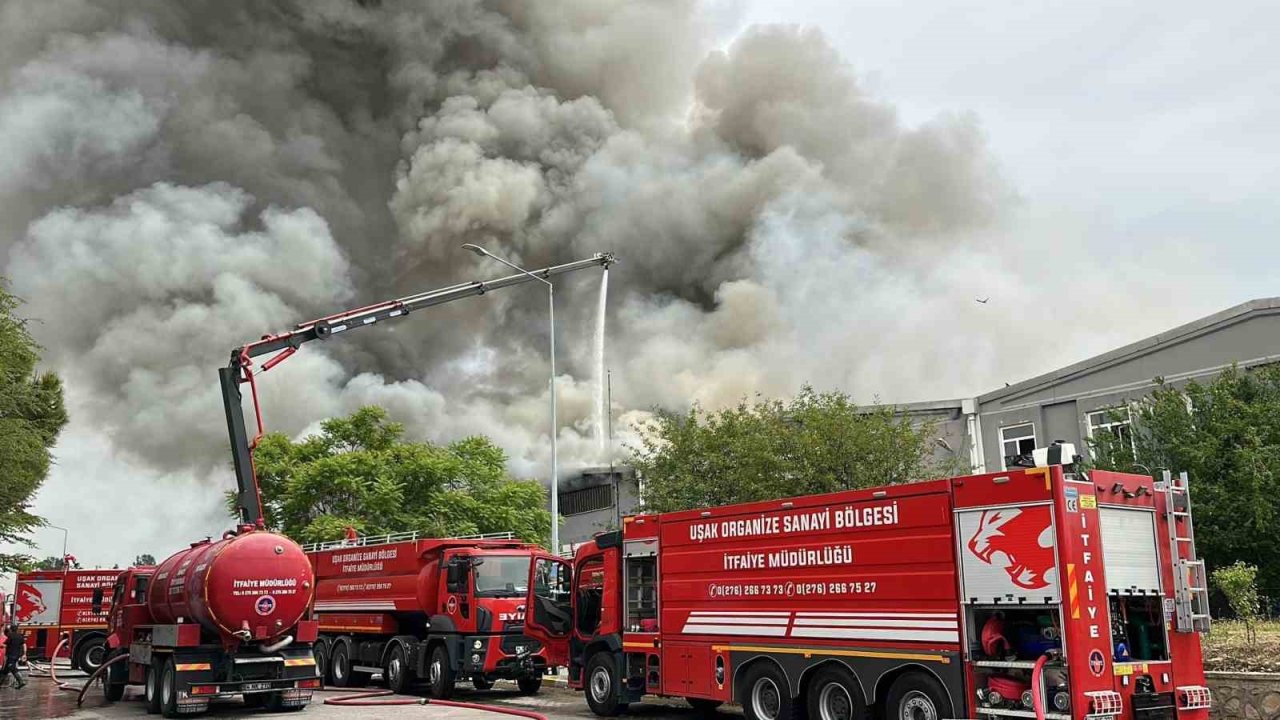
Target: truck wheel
[[396, 671], [766, 693], [169, 690], [114, 683], [90, 654], [916, 696], [602, 685], [340, 667], [151, 692], [439, 674], [481, 682], [835, 694], [703, 705], [321, 652], [529, 685]]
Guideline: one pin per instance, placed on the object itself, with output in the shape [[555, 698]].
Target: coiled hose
[[366, 699]]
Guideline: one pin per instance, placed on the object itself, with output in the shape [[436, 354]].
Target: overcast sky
[[1144, 133], [1150, 125]]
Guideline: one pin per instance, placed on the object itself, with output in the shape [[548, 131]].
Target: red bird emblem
[[30, 603], [1018, 540]]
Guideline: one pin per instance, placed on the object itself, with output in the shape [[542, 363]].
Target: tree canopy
[[1226, 435], [360, 472], [32, 414], [54, 562], [812, 443]]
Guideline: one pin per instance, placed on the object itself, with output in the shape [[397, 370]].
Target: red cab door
[[549, 619]]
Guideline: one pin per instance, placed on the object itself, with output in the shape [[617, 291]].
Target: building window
[[1016, 440], [1117, 420], [585, 500]]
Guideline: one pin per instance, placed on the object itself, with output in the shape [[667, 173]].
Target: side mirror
[[97, 601]]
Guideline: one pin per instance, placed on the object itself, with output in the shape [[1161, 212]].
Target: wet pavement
[[41, 698]]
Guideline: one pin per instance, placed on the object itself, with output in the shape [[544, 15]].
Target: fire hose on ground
[[52, 669]]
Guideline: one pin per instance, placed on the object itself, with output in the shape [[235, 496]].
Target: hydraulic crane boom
[[240, 369]]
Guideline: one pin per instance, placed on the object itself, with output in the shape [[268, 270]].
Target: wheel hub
[[600, 685], [834, 702], [917, 706], [766, 700]]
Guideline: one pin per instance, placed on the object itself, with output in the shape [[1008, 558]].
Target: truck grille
[[510, 642]]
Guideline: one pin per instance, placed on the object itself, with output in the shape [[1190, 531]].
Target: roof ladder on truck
[[1190, 581]]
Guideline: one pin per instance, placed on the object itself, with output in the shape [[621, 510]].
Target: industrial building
[[1068, 404]]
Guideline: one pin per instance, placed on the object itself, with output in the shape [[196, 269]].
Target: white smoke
[[178, 179]]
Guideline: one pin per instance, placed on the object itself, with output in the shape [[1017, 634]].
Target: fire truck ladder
[[1190, 581]]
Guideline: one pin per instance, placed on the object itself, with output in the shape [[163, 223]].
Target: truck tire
[[396, 670], [169, 690], [151, 688], [344, 675], [117, 677], [916, 696], [834, 694], [481, 682], [602, 685], [529, 685], [321, 651], [90, 654], [703, 705], [766, 694], [439, 674]]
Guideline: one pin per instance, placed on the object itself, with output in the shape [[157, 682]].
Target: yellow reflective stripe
[[809, 652], [184, 667], [295, 662]]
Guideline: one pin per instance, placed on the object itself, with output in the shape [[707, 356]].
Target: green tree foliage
[[145, 559], [56, 563], [31, 415], [1239, 582], [359, 472], [1226, 435], [813, 443]]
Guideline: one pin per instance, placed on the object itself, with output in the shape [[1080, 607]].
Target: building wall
[[1059, 403], [624, 493]]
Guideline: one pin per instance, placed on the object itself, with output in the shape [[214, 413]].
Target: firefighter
[[15, 647]]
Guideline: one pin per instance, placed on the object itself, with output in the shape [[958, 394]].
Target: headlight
[[477, 644]]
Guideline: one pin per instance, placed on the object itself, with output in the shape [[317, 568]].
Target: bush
[[1239, 582]]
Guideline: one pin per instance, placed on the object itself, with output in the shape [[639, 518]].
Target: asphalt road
[[42, 699]]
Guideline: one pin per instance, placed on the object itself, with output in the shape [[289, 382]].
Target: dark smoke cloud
[[178, 178]]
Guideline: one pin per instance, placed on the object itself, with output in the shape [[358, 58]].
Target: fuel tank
[[255, 585]]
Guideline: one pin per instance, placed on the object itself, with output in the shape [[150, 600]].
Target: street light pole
[[555, 466], [64, 544]]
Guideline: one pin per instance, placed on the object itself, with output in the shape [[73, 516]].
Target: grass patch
[[1227, 648]]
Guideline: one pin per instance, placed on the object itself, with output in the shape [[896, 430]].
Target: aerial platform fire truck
[[433, 609], [1039, 592], [51, 604]]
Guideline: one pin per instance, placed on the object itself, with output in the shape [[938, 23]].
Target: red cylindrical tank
[[429, 585], [257, 581]]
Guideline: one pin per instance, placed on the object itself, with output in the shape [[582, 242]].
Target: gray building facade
[[595, 501], [1071, 403]]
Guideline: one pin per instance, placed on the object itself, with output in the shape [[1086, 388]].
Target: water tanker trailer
[[218, 619]]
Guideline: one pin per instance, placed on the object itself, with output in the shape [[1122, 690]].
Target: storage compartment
[[1005, 643], [1137, 629], [1129, 550], [642, 594], [999, 633]]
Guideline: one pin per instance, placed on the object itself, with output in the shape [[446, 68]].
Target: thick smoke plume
[[179, 178]]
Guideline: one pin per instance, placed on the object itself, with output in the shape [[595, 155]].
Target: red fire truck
[[435, 609], [1036, 592], [49, 603]]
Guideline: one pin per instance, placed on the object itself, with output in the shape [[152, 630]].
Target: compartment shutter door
[[1129, 550]]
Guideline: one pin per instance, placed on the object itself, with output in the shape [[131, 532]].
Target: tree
[[1226, 435], [1238, 581], [144, 559], [359, 472], [56, 563], [813, 443], [32, 414]]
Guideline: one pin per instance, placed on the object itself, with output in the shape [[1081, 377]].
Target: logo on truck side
[[1019, 541]]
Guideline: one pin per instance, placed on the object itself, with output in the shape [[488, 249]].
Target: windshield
[[502, 576]]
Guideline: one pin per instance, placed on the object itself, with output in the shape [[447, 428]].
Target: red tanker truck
[[217, 619], [1039, 592], [436, 609]]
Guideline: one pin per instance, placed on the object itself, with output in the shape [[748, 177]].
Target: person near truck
[[15, 647]]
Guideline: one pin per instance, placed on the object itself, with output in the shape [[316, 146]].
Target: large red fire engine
[[48, 604], [434, 609], [1036, 592]]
